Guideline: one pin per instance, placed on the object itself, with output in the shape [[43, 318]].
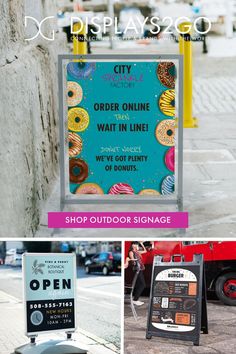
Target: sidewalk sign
[[177, 305], [117, 141], [50, 301], [49, 292]]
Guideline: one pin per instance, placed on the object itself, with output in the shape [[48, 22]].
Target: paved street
[[98, 304], [209, 151], [221, 338]]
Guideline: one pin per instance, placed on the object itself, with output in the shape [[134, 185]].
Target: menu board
[[176, 301], [49, 292], [121, 127]]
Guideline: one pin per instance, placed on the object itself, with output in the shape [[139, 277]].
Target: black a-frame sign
[[177, 305]]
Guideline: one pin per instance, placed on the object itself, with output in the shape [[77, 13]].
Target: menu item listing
[[178, 288], [175, 303], [171, 317]]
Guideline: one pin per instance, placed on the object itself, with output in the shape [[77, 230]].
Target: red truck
[[219, 259]]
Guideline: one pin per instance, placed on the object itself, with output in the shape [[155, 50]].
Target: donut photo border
[[66, 198]]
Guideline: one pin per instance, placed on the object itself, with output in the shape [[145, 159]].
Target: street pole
[[79, 39], [110, 5], [185, 48], [204, 44], [229, 18]]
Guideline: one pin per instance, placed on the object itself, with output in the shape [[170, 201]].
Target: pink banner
[[147, 220]]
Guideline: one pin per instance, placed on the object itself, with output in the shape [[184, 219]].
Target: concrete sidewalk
[[221, 338], [12, 330]]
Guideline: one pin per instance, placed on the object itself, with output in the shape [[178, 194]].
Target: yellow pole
[[181, 43], [185, 48], [79, 39]]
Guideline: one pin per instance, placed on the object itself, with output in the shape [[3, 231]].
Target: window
[[192, 243], [103, 256]]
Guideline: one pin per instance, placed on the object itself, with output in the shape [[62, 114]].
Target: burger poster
[[121, 127], [174, 303]]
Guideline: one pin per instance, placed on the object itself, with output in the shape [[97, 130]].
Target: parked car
[[14, 257], [105, 262]]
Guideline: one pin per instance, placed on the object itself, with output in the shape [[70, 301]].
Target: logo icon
[[37, 267], [39, 25]]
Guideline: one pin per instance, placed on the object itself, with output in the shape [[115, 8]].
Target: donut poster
[[121, 127]]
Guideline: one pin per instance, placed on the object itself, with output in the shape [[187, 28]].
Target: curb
[[99, 340], [6, 298]]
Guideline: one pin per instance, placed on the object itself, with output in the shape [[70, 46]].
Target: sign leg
[[204, 324]]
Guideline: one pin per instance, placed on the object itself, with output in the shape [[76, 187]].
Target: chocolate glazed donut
[[166, 74], [83, 170]]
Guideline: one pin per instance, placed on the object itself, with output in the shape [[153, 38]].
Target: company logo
[[134, 24], [37, 267], [39, 25]]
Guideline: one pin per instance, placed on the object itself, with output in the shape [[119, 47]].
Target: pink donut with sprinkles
[[170, 159], [121, 188]]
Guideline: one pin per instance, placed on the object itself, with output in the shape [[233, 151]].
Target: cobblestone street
[[214, 95], [221, 338]]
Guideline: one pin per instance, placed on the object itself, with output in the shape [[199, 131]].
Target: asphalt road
[[99, 304], [98, 301]]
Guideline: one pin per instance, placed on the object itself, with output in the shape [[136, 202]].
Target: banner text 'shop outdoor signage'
[[49, 292], [177, 306], [121, 127]]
